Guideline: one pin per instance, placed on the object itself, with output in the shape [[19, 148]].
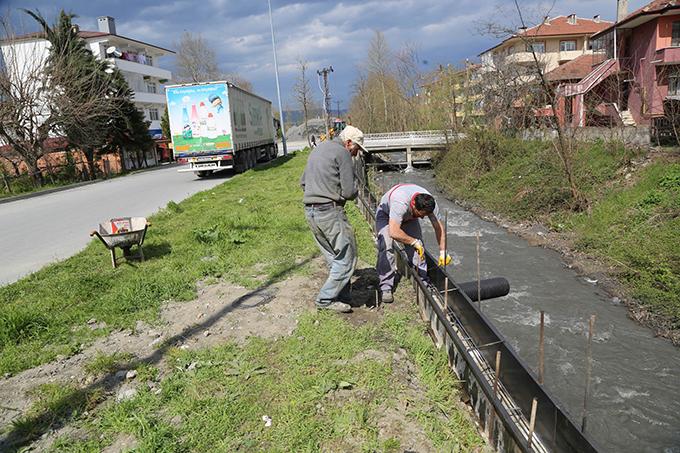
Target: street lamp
[[278, 88]]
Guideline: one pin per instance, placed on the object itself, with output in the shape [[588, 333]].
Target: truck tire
[[253, 158], [240, 162], [203, 173]]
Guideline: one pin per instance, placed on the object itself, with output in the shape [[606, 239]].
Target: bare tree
[[537, 94], [196, 62], [302, 92], [25, 114], [379, 63]]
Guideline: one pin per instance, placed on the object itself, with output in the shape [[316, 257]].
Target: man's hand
[[418, 245], [444, 258]]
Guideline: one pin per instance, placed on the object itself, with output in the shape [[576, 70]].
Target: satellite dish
[[111, 50], [117, 54]]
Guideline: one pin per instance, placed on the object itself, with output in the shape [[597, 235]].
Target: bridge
[[407, 148]]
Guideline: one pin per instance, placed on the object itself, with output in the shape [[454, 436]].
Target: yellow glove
[[418, 245], [444, 258]]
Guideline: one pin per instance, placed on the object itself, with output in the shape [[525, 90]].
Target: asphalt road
[[38, 231]]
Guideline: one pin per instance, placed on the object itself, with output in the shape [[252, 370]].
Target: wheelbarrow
[[123, 233]]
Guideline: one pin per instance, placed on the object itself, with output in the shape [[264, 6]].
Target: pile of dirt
[[315, 126]]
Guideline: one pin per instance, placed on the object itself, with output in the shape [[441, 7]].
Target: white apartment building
[[137, 60]]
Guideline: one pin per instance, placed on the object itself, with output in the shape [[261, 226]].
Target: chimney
[[596, 18], [621, 10], [106, 24], [572, 19]]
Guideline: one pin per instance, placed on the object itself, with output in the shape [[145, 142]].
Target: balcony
[[149, 98], [667, 56], [138, 68], [568, 55], [521, 57]]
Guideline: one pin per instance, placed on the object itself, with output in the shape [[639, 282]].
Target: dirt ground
[[221, 312]]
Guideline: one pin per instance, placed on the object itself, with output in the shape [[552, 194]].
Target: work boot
[[387, 297], [339, 307]]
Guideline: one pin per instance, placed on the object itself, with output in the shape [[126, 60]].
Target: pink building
[[638, 79]]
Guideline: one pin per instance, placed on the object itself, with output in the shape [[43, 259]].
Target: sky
[[322, 32]]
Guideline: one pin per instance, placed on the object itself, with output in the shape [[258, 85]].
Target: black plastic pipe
[[489, 288]]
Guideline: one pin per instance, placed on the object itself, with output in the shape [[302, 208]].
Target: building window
[[674, 83], [675, 40], [151, 87], [538, 47], [567, 46], [153, 114], [149, 60]]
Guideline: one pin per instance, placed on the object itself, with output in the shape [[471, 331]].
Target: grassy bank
[[329, 385], [634, 216]]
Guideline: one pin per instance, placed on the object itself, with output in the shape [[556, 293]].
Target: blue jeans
[[335, 238]]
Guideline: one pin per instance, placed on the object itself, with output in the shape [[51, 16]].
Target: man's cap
[[354, 134]]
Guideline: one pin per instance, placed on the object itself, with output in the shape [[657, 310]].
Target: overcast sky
[[323, 32]]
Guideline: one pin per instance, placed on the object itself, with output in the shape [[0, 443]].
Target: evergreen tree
[[92, 100]]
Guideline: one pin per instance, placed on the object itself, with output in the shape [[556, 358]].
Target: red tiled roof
[[655, 6], [560, 26], [575, 69]]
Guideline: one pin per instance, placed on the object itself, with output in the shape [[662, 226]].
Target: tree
[[25, 113], [378, 63], [165, 124], [302, 92], [91, 101], [196, 62]]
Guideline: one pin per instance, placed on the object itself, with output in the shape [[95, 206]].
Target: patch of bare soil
[[221, 312]]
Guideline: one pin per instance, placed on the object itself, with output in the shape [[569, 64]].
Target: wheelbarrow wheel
[[126, 252]]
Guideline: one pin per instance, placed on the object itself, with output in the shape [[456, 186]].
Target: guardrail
[[411, 139], [504, 395]]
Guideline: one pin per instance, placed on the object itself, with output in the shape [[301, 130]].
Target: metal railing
[[411, 139]]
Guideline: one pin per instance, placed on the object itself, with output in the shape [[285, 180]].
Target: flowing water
[[635, 387]]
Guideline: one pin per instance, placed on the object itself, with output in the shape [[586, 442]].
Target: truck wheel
[[240, 162], [203, 173], [253, 158]]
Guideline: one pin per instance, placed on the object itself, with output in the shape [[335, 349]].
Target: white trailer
[[217, 126]]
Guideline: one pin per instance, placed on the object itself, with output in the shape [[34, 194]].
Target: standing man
[[328, 182], [397, 219]]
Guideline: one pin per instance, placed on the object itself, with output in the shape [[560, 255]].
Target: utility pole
[[337, 105], [323, 73], [278, 88]]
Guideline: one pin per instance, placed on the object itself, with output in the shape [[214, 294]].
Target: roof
[[652, 8], [85, 35], [560, 26], [575, 69]]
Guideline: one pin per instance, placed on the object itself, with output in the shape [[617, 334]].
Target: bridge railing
[[415, 139]]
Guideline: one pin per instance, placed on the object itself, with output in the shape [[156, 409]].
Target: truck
[[216, 126]]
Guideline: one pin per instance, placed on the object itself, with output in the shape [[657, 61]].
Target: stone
[[131, 374], [125, 393]]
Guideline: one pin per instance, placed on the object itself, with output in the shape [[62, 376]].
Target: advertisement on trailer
[[199, 119]]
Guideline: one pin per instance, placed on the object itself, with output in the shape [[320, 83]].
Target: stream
[[634, 403]]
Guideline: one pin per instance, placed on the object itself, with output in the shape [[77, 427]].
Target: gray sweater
[[329, 175]]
